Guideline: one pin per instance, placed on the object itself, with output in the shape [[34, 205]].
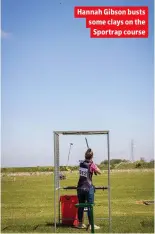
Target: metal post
[[109, 189], [55, 174], [56, 179], [59, 205], [92, 219]]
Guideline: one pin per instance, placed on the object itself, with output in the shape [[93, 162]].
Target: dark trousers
[[85, 196]]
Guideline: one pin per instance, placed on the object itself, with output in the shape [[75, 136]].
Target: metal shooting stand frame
[[57, 187]]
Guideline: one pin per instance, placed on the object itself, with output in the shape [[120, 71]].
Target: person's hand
[[98, 171]]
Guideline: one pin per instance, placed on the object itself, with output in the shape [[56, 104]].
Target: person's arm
[[98, 171], [95, 169]]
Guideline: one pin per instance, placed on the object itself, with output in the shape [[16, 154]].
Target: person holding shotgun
[[85, 188]]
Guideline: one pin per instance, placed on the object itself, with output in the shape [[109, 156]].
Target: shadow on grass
[[147, 223], [47, 224], [129, 224], [3, 229], [52, 225]]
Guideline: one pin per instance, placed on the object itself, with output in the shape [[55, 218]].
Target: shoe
[[81, 226], [95, 227]]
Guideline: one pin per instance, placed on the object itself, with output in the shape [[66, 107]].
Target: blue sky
[[54, 77]]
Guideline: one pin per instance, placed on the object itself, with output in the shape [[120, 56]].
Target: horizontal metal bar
[[96, 187], [95, 219], [68, 219], [81, 132]]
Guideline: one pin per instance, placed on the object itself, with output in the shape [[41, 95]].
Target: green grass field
[[27, 203]]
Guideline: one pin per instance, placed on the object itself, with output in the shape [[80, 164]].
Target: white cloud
[[5, 35]]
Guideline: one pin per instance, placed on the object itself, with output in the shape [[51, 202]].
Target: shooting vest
[[85, 179]]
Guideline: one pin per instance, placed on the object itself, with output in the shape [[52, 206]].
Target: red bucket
[[69, 212]]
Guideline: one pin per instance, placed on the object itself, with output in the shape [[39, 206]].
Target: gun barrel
[[87, 143]]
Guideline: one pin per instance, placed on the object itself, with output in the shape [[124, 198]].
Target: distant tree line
[[126, 164], [114, 164]]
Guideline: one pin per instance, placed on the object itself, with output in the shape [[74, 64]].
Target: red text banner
[[115, 22]]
